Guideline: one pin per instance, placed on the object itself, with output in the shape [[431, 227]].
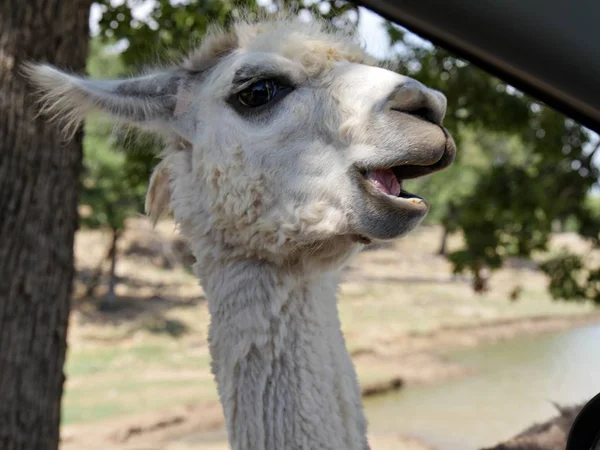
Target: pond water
[[514, 386]]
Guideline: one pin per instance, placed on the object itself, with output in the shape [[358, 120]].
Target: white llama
[[286, 150]]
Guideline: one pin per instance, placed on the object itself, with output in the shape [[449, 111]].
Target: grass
[[107, 382]]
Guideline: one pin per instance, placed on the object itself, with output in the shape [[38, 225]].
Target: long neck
[[284, 376]]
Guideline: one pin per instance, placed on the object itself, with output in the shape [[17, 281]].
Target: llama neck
[[284, 375]]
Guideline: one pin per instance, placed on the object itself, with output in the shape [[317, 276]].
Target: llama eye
[[258, 94]]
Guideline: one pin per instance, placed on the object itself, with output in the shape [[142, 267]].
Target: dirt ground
[[138, 377]]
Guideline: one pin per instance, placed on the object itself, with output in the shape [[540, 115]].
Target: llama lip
[[409, 168]]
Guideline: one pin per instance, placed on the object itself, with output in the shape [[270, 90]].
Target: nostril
[[417, 100]]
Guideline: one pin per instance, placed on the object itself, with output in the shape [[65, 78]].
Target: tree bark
[[39, 188]]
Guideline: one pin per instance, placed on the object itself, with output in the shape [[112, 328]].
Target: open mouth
[[389, 182], [386, 180]]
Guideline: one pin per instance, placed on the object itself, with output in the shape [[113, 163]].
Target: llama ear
[[144, 100], [158, 197]]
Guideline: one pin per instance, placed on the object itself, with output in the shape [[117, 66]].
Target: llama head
[[283, 137]]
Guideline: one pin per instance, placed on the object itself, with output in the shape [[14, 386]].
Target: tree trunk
[[444, 243], [39, 187], [110, 299], [96, 277]]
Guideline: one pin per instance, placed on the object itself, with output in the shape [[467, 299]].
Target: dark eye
[[258, 94]]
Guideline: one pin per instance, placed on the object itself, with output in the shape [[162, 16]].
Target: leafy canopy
[[522, 168]]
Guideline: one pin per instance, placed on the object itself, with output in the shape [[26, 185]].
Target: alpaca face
[[283, 137], [344, 138]]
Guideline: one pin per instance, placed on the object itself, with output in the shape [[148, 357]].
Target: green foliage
[[172, 28], [521, 168], [572, 276], [108, 196], [569, 279]]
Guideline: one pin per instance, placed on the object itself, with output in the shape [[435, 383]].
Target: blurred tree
[[521, 168], [39, 189]]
